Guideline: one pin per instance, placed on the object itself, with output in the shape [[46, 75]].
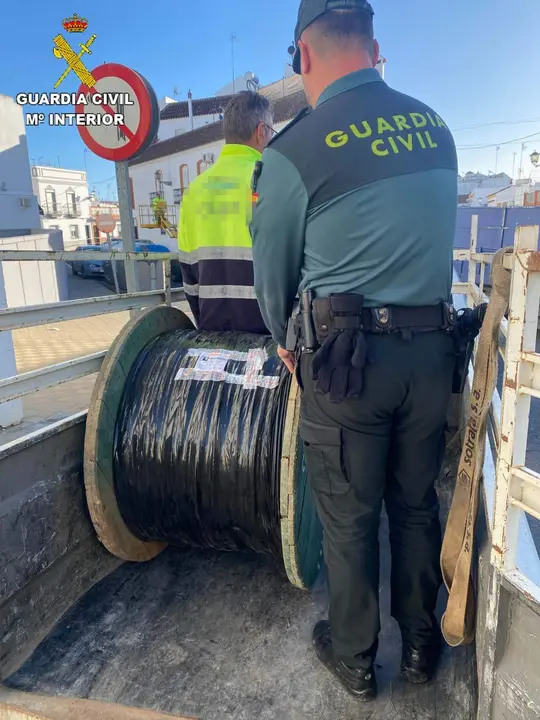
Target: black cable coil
[[197, 457]]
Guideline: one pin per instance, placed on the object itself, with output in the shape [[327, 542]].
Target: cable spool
[[192, 439]]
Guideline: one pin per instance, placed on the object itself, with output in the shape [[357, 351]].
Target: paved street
[[49, 344]]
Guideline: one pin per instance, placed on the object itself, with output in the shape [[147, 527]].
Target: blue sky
[[476, 62]]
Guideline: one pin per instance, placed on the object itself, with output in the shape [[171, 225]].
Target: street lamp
[[535, 158]]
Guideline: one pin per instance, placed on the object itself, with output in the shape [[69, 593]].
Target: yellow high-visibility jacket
[[215, 244]]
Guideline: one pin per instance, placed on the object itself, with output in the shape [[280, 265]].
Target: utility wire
[[495, 122], [100, 182], [506, 142]]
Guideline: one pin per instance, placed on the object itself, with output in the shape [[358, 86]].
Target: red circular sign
[[136, 102], [105, 222]]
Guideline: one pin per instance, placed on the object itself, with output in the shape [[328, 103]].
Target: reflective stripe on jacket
[[215, 244]]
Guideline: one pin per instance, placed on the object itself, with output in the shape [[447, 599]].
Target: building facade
[[18, 204], [21, 283], [474, 189], [64, 201], [104, 207], [524, 193]]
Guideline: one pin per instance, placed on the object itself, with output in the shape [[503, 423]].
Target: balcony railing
[[72, 210], [52, 209]]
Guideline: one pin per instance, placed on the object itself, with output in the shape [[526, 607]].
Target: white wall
[[15, 179], [11, 413], [513, 196], [15, 186], [34, 283], [63, 181], [143, 177]]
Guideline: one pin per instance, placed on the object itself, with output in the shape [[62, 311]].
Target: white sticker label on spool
[[210, 367], [209, 363]]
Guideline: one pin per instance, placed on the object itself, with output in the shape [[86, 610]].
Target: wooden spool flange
[[301, 530], [99, 438]]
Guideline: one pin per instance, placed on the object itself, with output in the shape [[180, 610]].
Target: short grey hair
[[243, 114]]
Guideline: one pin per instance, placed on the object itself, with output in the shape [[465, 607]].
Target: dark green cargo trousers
[[387, 445]]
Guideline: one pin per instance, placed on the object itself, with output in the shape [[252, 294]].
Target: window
[[71, 202], [74, 232], [50, 201], [159, 182], [202, 165], [87, 232], [184, 178]]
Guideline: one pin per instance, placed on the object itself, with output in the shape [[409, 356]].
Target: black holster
[[332, 328], [468, 326]]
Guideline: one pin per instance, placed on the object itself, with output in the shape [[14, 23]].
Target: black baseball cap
[[310, 10]]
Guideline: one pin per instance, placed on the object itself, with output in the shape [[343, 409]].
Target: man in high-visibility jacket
[[213, 232], [159, 207]]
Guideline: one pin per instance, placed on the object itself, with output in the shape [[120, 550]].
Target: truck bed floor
[[221, 636]]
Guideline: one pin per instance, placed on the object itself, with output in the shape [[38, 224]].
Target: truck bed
[[215, 636], [219, 636]]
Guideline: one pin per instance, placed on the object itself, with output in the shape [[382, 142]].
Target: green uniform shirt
[[358, 195]]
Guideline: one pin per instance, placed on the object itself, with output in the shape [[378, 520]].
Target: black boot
[[360, 683], [418, 664]]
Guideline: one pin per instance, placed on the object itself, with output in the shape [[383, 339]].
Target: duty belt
[[334, 328], [346, 313]]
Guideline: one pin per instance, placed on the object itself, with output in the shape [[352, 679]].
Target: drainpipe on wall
[[190, 107]]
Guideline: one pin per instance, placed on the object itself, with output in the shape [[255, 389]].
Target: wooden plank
[[26, 706]]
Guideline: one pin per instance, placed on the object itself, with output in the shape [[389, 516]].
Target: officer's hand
[[288, 358]]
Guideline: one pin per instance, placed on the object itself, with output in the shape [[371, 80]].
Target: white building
[[65, 202], [104, 207], [169, 165], [21, 283], [474, 188], [18, 204], [524, 193]]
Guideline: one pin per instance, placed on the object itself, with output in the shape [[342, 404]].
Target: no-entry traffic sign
[[137, 103], [105, 222]]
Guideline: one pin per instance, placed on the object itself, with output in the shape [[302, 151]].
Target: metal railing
[[72, 210], [23, 384], [511, 489]]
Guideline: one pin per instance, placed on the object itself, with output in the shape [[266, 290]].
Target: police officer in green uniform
[[356, 215]]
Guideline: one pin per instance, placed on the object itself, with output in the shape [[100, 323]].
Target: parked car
[[144, 273], [86, 268]]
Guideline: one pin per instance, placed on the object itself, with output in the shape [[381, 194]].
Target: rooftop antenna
[[175, 92], [233, 38], [252, 81]]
